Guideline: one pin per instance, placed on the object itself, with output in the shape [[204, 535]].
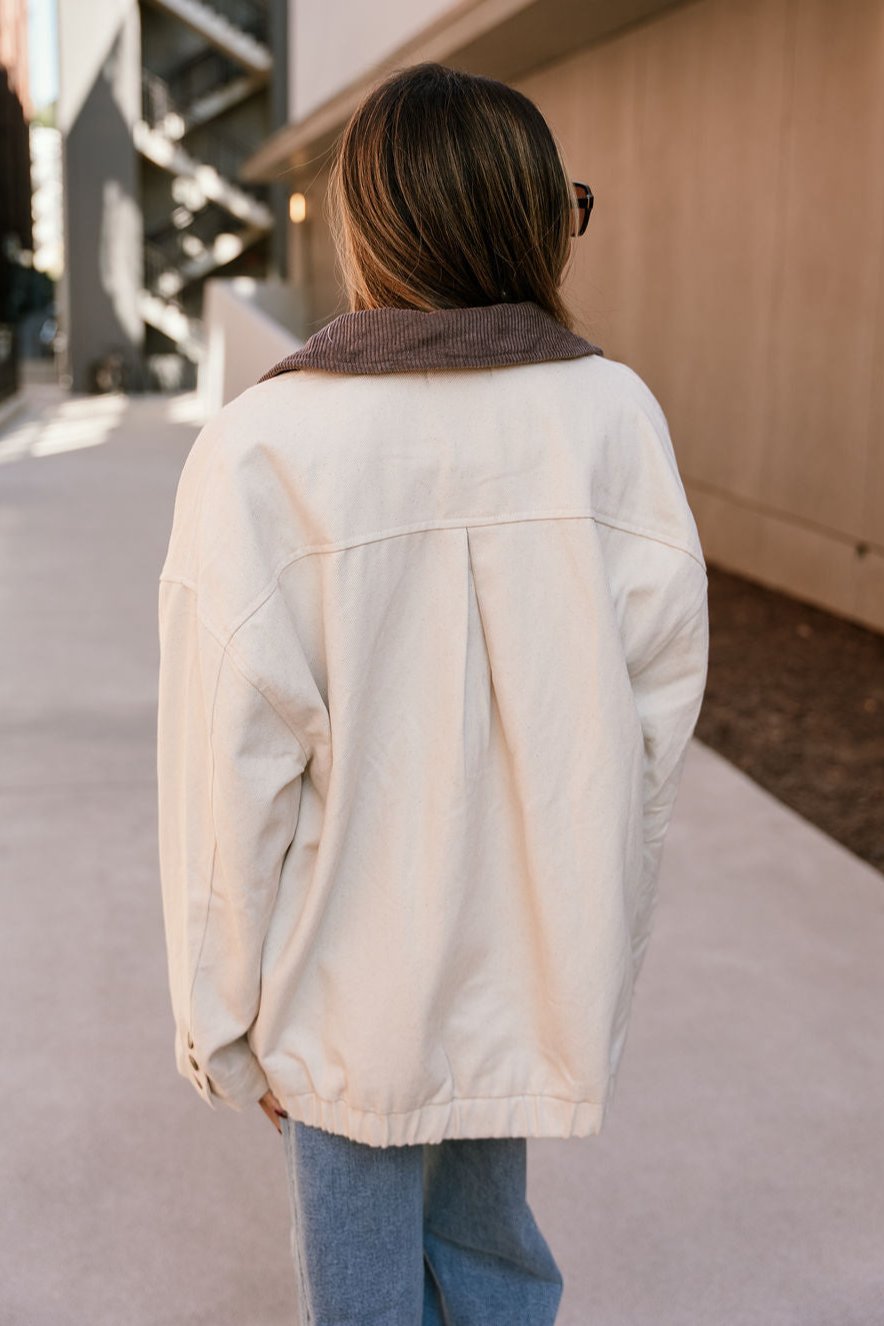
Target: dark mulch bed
[[795, 698]]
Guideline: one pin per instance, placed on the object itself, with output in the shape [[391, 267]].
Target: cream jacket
[[433, 639]]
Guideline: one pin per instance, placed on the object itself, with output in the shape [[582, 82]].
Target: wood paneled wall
[[735, 258]]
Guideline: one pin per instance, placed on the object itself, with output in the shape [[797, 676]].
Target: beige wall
[[312, 258], [334, 42], [249, 325], [735, 259]]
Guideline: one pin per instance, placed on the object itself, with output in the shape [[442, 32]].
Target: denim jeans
[[433, 1234]]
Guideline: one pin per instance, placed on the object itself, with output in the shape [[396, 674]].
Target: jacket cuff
[[233, 1075], [245, 1089]]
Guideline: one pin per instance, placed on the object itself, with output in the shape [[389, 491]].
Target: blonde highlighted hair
[[447, 190]]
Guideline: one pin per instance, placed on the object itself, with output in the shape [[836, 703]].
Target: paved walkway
[[739, 1180]]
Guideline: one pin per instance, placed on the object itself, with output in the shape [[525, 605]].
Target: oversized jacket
[[433, 643]]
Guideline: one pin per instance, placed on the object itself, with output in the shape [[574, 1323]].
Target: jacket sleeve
[[668, 687], [229, 772]]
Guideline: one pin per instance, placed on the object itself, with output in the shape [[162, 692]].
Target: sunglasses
[[583, 200]]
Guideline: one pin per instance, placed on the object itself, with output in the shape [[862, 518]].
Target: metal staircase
[[229, 25], [182, 131]]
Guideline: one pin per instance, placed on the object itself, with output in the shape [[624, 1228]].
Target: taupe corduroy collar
[[402, 340]]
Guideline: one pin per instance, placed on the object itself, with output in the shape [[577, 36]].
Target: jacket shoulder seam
[[614, 522], [697, 607], [230, 653]]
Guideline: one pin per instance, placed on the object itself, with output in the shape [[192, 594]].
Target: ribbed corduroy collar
[[402, 340]]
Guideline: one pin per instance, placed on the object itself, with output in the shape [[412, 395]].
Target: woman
[[433, 633]]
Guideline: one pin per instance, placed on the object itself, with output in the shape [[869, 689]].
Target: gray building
[[15, 187], [159, 103]]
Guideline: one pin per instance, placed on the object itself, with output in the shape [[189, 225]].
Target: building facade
[[16, 237], [159, 103]]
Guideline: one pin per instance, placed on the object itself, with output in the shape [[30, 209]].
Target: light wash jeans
[[434, 1234]]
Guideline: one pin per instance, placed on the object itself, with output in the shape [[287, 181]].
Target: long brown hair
[[448, 190]]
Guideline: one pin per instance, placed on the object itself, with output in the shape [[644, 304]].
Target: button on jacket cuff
[[239, 1082]]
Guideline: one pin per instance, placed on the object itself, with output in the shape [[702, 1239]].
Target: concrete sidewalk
[[739, 1180]]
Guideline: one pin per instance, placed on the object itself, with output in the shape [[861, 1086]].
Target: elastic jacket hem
[[478, 1116]]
